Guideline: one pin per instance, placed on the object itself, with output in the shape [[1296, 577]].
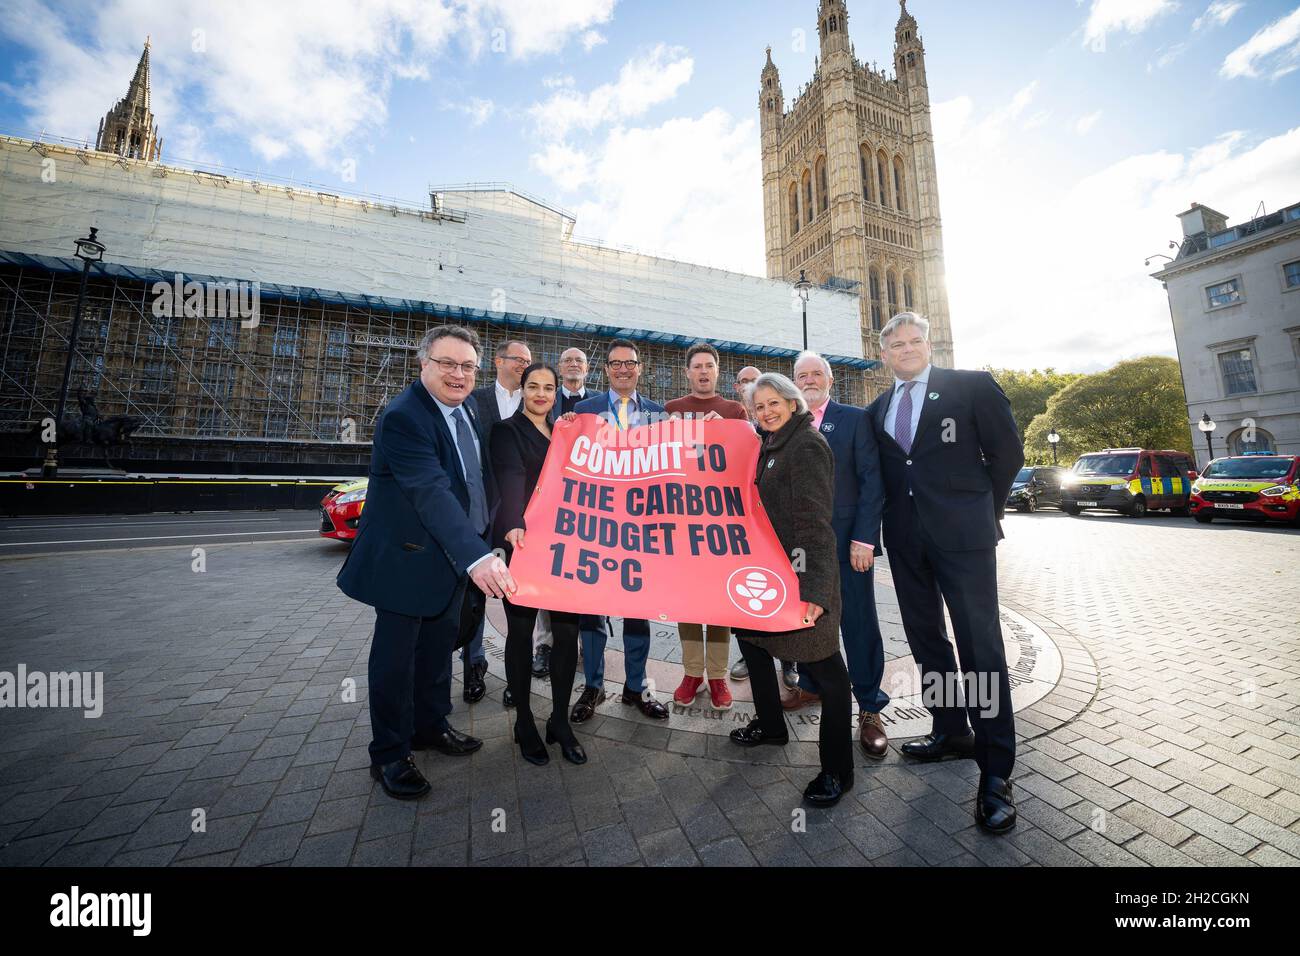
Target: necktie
[[478, 510], [622, 414], [903, 419]]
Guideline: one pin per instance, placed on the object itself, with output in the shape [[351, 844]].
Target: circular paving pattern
[[1034, 658]]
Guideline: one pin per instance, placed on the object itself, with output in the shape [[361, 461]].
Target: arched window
[[833, 25], [891, 283], [899, 193], [882, 164], [876, 305], [823, 194], [908, 301], [1245, 440], [794, 209], [864, 154], [807, 197]]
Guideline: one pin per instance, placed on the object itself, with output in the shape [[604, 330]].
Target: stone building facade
[[850, 193]]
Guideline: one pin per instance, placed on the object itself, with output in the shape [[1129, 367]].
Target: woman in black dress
[[518, 447]]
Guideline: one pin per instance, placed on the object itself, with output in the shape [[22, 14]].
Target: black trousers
[[925, 578], [410, 674], [520, 623], [834, 730]]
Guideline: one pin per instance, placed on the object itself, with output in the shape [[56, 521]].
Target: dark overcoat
[[796, 483]]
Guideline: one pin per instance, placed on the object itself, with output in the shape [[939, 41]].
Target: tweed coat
[[796, 483]]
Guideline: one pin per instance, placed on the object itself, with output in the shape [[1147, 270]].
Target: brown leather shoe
[[799, 698], [871, 734]]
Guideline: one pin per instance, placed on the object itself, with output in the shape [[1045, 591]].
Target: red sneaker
[[687, 689], [720, 694]]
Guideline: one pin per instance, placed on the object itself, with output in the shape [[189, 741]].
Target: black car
[[1036, 485]]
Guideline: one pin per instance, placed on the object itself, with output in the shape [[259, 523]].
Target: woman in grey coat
[[796, 485]]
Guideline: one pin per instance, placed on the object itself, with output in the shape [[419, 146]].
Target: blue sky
[[1069, 133]]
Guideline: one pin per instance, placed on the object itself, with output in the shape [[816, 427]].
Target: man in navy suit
[[859, 496], [421, 558], [949, 451], [623, 407]]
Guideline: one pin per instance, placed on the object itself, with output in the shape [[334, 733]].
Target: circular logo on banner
[[758, 592]]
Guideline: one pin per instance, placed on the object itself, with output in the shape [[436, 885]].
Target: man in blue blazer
[[949, 451], [623, 407], [859, 496], [421, 558]]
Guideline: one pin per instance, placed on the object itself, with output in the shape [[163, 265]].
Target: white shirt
[[447, 412], [507, 401], [581, 393], [918, 402]]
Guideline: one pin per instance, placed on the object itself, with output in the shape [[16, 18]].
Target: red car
[[340, 510], [1254, 487]]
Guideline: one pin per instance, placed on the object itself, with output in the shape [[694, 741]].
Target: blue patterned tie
[[478, 510], [903, 419]]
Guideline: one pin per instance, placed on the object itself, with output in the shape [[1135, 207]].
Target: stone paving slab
[[234, 728]]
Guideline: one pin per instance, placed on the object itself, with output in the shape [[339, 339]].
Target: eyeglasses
[[448, 366], [515, 358], [622, 363]]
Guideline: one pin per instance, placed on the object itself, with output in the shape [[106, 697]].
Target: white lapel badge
[[934, 396], [771, 462], [828, 427]]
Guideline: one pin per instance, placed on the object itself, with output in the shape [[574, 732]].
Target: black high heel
[[539, 758], [572, 752]]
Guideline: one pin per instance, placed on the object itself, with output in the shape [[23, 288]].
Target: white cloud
[[1167, 56], [527, 28], [1083, 126], [1110, 16], [1217, 14], [1047, 270], [1275, 49], [689, 188], [646, 81], [308, 77], [557, 81], [478, 110], [952, 119], [592, 39]]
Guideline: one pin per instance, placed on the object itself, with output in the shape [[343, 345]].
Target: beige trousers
[[694, 647]]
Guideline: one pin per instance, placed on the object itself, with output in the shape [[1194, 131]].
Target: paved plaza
[[1157, 681]]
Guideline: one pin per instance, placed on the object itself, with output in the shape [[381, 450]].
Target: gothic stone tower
[[850, 193], [128, 128]]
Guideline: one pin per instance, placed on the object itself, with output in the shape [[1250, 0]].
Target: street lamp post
[[802, 287], [89, 250], [1053, 439], [1207, 425]]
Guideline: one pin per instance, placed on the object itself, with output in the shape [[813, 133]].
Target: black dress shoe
[[752, 735], [452, 743], [995, 805], [542, 662], [507, 699], [585, 708], [646, 704], [534, 751], [475, 688], [401, 779], [827, 788], [569, 745], [940, 747]]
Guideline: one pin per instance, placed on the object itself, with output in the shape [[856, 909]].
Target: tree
[[1136, 404], [1030, 391]]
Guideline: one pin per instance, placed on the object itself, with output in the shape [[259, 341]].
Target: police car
[[1131, 481], [1254, 487]]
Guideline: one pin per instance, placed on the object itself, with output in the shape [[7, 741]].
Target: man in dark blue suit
[[421, 558], [859, 497], [949, 451], [623, 407]]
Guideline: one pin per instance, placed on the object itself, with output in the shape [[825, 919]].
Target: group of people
[[930, 462]]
